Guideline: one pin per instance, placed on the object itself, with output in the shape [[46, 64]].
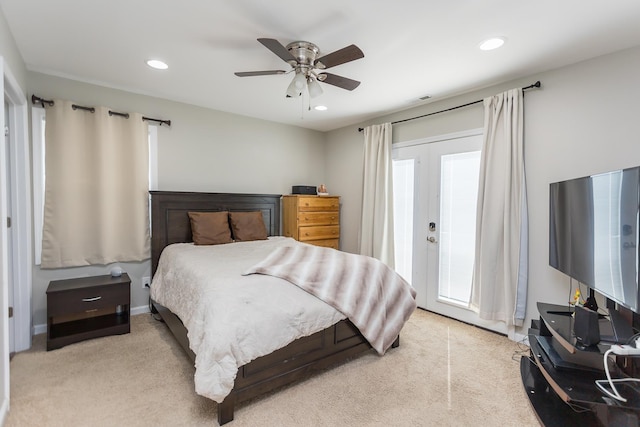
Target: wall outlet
[[146, 282]]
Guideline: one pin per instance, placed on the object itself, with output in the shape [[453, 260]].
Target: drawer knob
[[91, 299]]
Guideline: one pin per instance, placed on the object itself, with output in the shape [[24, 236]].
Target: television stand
[[621, 331], [559, 377], [561, 312]]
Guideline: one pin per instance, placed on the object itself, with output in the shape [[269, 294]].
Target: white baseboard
[[139, 310], [42, 329]]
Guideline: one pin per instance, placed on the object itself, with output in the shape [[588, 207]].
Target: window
[[37, 132], [458, 206], [403, 206], [153, 157]]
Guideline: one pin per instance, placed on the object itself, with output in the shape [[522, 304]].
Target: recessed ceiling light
[[157, 64], [320, 108], [492, 43]]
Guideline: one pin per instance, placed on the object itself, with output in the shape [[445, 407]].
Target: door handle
[[432, 239]]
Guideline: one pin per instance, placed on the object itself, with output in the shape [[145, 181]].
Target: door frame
[[4, 288], [21, 213]]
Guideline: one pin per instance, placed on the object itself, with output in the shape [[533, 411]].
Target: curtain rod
[[536, 85], [37, 100]]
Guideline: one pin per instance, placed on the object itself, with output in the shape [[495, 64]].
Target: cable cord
[[614, 391]]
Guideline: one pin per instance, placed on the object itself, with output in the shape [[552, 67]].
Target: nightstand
[[87, 307]]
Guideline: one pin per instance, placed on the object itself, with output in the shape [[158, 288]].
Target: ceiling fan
[[303, 58]]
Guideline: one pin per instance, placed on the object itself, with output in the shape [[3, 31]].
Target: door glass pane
[[458, 199], [403, 184]]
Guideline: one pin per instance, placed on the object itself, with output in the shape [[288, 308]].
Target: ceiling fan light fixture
[[315, 89], [297, 85]]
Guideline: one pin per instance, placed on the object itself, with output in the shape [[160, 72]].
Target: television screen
[[593, 232]]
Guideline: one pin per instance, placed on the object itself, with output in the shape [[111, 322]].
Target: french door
[[435, 197]]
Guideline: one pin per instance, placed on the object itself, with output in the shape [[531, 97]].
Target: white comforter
[[233, 319]]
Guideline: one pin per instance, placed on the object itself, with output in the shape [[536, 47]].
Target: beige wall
[[203, 150], [583, 120]]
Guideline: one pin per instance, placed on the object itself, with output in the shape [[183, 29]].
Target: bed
[[337, 343]]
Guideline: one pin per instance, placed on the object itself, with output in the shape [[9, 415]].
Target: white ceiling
[[412, 47]]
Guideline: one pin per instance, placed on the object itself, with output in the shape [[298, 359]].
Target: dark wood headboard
[[170, 220]]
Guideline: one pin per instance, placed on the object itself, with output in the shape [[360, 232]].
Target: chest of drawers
[[312, 219]]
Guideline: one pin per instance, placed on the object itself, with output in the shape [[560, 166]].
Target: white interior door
[[435, 197]]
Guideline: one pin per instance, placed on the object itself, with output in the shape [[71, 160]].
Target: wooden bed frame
[[170, 224]]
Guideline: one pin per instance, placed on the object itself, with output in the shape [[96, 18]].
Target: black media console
[[559, 376]]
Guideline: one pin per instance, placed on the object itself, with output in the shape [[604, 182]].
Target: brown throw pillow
[[247, 226], [210, 228]]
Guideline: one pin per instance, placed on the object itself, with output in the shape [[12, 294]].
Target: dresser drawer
[[87, 300], [326, 243], [318, 203], [319, 232], [318, 218]]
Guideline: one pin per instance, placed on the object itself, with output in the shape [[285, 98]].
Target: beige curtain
[[376, 227], [97, 178], [499, 290]]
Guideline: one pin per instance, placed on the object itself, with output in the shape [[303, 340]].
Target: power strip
[[625, 350]]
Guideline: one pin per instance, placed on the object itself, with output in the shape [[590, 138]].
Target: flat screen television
[[594, 233]]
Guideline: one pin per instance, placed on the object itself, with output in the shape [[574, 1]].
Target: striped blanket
[[376, 299]]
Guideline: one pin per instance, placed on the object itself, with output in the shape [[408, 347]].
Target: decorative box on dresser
[[312, 219]]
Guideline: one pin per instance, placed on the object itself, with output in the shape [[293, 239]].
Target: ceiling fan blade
[[341, 82], [346, 54], [258, 73], [276, 47]]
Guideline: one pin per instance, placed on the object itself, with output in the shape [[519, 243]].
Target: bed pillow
[[210, 228], [247, 226]]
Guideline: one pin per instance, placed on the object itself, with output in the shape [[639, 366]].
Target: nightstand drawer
[[319, 232], [87, 300], [318, 218], [318, 204]]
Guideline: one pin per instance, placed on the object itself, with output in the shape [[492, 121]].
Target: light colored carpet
[[444, 373]]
